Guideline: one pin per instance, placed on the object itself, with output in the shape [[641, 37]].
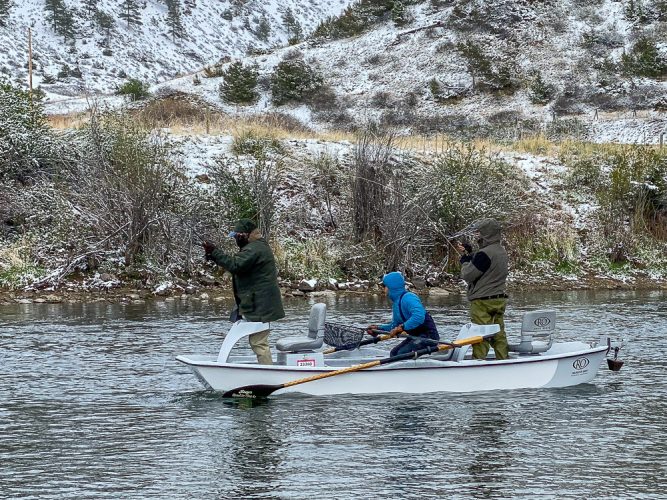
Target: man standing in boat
[[408, 315], [486, 272], [255, 282]]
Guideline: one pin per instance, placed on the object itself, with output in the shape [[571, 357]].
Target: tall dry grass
[[185, 115]]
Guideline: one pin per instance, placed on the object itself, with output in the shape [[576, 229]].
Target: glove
[[396, 331], [370, 328], [209, 247], [467, 247]]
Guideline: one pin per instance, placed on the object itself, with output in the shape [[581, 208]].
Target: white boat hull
[[565, 364]]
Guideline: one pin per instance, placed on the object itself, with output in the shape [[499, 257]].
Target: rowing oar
[[264, 390]]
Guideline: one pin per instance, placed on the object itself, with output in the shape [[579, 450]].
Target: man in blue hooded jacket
[[408, 315]]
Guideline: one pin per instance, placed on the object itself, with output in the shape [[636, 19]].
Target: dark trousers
[[409, 345]]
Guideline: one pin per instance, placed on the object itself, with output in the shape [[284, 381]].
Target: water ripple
[[92, 405]]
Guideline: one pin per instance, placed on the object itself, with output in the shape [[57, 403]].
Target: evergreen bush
[[540, 91], [28, 147], [361, 16], [135, 89], [645, 59], [240, 84], [294, 80]]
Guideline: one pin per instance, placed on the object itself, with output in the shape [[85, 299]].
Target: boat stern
[[580, 368]]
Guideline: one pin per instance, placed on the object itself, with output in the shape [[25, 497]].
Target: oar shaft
[[354, 368], [379, 338], [432, 349], [384, 361]]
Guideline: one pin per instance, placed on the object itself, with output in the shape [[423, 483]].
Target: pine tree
[[54, 10], [106, 23], [239, 84], [398, 13], [174, 21], [90, 6], [66, 26], [263, 29], [5, 5], [293, 27], [130, 12]]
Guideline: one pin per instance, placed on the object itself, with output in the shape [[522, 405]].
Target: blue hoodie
[[411, 306]]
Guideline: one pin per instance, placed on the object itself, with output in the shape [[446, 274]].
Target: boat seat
[[459, 353], [537, 328], [315, 337]]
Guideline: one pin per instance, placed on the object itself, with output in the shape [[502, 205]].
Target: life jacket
[[427, 329]]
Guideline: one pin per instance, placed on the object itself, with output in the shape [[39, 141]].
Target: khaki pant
[[490, 312], [260, 346]]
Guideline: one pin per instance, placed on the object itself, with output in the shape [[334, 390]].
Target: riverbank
[[574, 215], [69, 294]]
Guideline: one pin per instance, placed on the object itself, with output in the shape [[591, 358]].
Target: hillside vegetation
[[360, 136], [113, 202]]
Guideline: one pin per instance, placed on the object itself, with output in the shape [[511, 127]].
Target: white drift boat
[[302, 365]]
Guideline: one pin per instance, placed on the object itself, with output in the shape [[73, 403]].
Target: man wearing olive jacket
[[486, 272], [255, 281]]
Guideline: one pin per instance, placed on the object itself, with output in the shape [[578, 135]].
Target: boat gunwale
[[326, 369]]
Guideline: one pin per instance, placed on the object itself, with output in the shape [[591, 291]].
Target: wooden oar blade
[[257, 391]]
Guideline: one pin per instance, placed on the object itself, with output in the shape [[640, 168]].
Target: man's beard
[[241, 241]]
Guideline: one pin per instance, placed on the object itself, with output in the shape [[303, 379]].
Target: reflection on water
[[93, 405], [492, 458]]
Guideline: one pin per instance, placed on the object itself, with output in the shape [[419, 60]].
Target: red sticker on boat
[[305, 362]]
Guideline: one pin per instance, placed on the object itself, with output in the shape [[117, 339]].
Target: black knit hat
[[243, 226]]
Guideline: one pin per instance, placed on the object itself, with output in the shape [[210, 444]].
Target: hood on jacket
[[395, 283], [489, 231]]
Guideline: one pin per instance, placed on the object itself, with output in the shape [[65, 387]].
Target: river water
[[93, 405]]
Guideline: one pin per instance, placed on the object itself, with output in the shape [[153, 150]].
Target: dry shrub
[[281, 121], [174, 109]]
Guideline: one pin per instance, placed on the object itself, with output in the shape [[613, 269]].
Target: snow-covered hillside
[[211, 30], [503, 68], [417, 76]]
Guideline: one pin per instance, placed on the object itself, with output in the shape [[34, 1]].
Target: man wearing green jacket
[[486, 272], [255, 282]]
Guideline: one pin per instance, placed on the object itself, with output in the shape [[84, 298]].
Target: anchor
[[614, 364]]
